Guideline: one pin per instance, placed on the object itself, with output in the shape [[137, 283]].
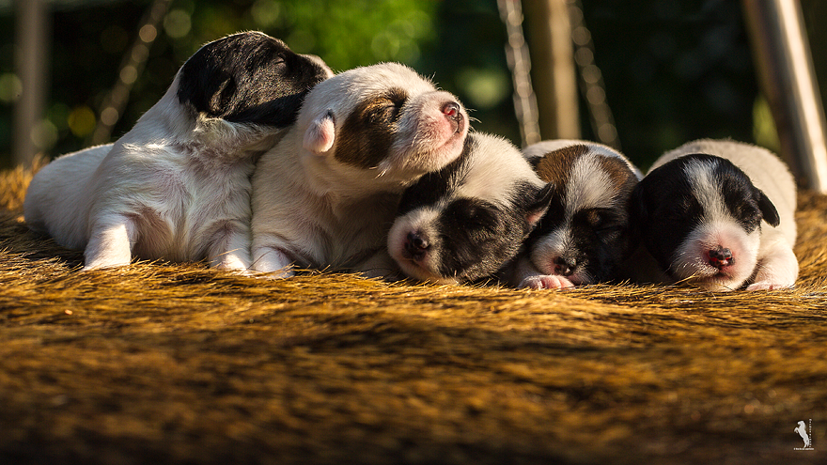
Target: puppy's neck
[[202, 136]]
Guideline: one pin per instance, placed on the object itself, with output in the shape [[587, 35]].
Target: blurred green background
[[674, 70]]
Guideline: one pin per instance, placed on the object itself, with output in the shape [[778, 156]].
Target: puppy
[[177, 185], [719, 214], [325, 196], [464, 221], [585, 233]]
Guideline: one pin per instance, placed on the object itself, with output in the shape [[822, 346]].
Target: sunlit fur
[[177, 186], [472, 215], [709, 203], [325, 196], [586, 226]]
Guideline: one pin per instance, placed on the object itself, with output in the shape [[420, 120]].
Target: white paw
[[546, 281], [286, 272], [767, 286]]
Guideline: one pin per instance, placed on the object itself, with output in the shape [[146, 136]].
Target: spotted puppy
[[177, 185], [464, 221], [585, 233], [719, 214], [325, 196]]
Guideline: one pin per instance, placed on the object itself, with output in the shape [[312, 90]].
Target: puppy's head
[[700, 218], [585, 233], [383, 120], [466, 220], [248, 78]]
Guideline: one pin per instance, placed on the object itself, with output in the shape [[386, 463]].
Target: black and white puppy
[[465, 221], [177, 186], [585, 234], [719, 214], [325, 196]]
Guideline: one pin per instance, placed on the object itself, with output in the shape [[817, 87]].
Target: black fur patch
[[248, 78], [432, 187], [666, 210], [600, 237], [368, 132], [477, 237]]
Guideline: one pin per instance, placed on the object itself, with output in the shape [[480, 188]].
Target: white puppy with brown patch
[[177, 185], [719, 214], [325, 196], [585, 234]]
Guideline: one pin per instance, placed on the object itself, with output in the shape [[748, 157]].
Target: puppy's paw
[[546, 281], [767, 286], [230, 263]]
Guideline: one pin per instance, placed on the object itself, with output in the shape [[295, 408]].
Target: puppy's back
[[766, 171], [57, 199]]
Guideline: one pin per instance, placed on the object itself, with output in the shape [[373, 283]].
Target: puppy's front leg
[[272, 259], [230, 247], [110, 244], [778, 269]]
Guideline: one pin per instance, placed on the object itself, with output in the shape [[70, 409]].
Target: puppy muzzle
[[416, 246]]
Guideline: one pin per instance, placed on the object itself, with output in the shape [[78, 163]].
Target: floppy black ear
[[767, 208], [538, 208], [638, 214]]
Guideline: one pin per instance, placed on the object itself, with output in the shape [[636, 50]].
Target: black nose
[[720, 256], [564, 266], [416, 244], [451, 110]]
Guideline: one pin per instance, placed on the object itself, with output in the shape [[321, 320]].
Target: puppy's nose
[[452, 112], [564, 266], [720, 257], [416, 244]]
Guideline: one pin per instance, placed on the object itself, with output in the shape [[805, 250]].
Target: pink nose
[[452, 113], [720, 257]]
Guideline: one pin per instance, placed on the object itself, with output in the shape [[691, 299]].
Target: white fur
[[175, 187], [493, 169], [312, 210], [767, 252], [172, 188], [586, 189], [546, 146], [421, 220]]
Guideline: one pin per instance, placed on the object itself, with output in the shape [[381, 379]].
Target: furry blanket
[[166, 363]]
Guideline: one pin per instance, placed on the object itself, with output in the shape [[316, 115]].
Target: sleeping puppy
[[177, 185], [325, 196], [464, 221], [719, 214], [585, 233]]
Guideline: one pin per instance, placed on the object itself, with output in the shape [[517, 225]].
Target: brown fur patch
[[555, 167], [621, 176], [176, 363], [367, 132]]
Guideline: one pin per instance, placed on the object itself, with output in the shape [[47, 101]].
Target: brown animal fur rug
[[168, 363]]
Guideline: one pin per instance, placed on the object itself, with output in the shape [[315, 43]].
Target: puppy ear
[[637, 205], [539, 207], [321, 133], [767, 208], [638, 214]]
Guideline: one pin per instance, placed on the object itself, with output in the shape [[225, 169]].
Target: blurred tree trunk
[[552, 67], [31, 65]]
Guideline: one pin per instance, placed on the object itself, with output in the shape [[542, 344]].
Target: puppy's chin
[[421, 273], [691, 262]]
